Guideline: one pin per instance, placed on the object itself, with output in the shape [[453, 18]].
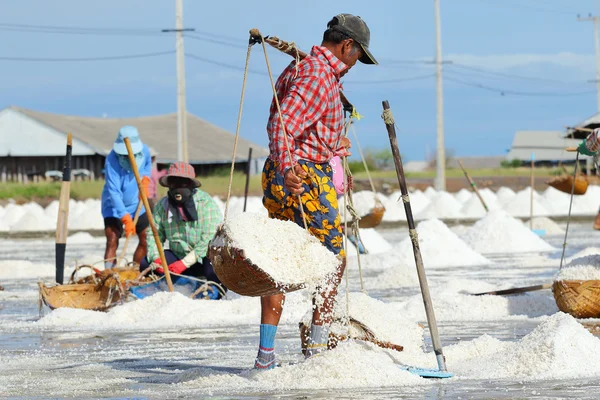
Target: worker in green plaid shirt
[[188, 218]]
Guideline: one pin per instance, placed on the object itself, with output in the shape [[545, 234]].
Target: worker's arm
[[113, 185], [304, 103], [159, 216], [209, 217], [591, 144]]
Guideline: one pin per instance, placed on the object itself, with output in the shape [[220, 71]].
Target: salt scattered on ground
[[283, 249], [585, 268], [498, 232], [440, 247]]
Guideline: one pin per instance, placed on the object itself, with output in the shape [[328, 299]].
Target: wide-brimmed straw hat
[[181, 170]]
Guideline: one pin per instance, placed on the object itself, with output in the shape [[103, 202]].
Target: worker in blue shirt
[[121, 196]]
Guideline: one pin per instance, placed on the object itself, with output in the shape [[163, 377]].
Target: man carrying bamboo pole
[[313, 121], [121, 196]]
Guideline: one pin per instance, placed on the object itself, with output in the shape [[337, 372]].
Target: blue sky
[[532, 59]]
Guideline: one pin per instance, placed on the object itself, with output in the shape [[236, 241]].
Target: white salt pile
[[546, 224], [83, 237], [440, 247], [585, 252], [520, 205], [498, 232], [363, 202], [443, 205], [283, 249], [504, 194], [462, 195], [373, 241], [559, 348], [585, 268]]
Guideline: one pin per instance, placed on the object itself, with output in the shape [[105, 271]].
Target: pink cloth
[[338, 174], [155, 175]]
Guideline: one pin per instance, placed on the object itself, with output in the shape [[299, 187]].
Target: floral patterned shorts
[[319, 201]]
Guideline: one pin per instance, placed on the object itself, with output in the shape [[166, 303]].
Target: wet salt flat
[[168, 346]]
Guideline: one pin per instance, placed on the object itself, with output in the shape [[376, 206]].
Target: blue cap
[[132, 133]]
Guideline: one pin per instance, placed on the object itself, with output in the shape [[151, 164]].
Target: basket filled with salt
[[254, 255], [576, 287]]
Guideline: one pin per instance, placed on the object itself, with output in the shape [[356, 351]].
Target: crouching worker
[[188, 218]]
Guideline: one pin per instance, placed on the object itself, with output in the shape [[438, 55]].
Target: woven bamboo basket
[[565, 183], [238, 273], [373, 218], [581, 299], [358, 331]]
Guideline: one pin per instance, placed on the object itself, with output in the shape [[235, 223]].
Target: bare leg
[[142, 248], [271, 308], [112, 243]]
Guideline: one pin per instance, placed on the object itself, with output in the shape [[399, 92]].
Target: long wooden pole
[[437, 345], [516, 290], [247, 178], [161, 251], [532, 189], [62, 222], [473, 185]]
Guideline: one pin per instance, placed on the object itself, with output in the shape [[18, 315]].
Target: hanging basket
[[238, 273], [374, 217], [357, 331], [581, 299], [565, 184]]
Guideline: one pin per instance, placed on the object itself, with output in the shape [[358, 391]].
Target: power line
[[216, 41], [507, 75], [518, 93], [105, 58], [513, 5]]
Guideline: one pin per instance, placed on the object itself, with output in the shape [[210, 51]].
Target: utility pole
[[182, 142], [590, 17], [597, 42], [440, 178]]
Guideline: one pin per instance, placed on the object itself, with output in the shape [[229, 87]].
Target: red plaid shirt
[[309, 98], [592, 142]]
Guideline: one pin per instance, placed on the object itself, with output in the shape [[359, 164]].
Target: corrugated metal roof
[[546, 146], [207, 143], [592, 122]]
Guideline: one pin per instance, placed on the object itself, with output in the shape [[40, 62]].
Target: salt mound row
[[546, 224], [585, 268], [520, 205], [462, 195], [284, 250], [559, 348], [443, 205], [472, 208], [498, 232], [504, 194], [440, 247]]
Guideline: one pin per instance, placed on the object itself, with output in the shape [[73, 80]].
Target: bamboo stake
[[473, 185], [532, 189], [437, 346], [62, 222], [149, 212]]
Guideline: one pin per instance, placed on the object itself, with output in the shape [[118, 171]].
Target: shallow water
[[173, 362]]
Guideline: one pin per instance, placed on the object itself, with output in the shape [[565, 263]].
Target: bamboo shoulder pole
[[473, 185], [516, 290], [161, 251], [437, 345]]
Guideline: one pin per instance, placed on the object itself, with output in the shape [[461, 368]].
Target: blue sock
[[317, 342], [266, 350]]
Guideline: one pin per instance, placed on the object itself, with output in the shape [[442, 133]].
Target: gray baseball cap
[[355, 28]]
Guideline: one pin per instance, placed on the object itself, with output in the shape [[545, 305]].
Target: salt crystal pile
[[556, 201], [585, 268], [430, 192], [440, 247], [444, 206], [520, 205], [546, 224], [559, 348], [373, 241], [282, 249], [504, 194], [462, 195], [13, 213], [498, 232], [472, 208], [585, 252]]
